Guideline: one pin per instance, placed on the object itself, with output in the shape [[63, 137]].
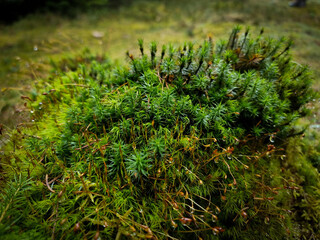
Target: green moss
[[56, 37], [183, 144]]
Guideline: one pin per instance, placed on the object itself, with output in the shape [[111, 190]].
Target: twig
[[47, 183]]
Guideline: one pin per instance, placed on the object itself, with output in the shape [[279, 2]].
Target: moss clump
[[184, 144]]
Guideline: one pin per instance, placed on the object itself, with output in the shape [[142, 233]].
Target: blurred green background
[[32, 33]]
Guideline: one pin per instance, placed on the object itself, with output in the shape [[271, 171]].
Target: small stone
[[97, 34]]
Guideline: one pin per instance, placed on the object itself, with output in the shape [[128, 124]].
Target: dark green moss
[[183, 144]]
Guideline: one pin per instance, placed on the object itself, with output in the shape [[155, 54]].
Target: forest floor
[[28, 45]]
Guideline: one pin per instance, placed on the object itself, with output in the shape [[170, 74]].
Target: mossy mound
[[185, 144]]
